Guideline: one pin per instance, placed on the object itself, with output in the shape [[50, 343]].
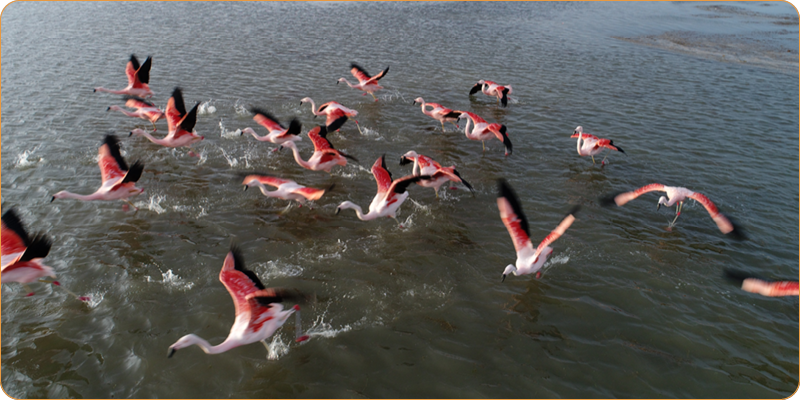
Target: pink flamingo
[[144, 110], [325, 156], [593, 145], [528, 259], [21, 254], [258, 310], [424, 165], [438, 112], [391, 194], [764, 287], [483, 130], [277, 133], [179, 123], [286, 189], [677, 195], [336, 114], [119, 182], [138, 79], [490, 88], [366, 82]]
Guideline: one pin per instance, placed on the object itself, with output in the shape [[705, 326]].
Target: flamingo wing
[[186, 124], [359, 73], [309, 193], [112, 165], [239, 280], [17, 245], [723, 223], [130, 70], [294, 129], [143, 72], [266, 179], [474, 117], [382, 175], [475, 89], [400, 185], [138, 103], [500, 132], [761, 286], [175, 109], [377, 77], [622, 198], [586, 137], [513, 217], [266, 120], [317, 136], [556, 233], [453, 175], [609, 144]]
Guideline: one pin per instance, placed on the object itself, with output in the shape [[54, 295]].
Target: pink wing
[[12, 245], [475, 118], [109, 166], [267, 122], [512, 216], [556, 233], [239, 281], [130, 71], [173, 114], [260, 303], [382, 176], [585, 136], [623, 198], [309, 193], [266, 179], [723, 223], [425, 161], [139, 103], [320, 143], [771, 289]]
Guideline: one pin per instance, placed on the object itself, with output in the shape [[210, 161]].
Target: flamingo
[[287, 189], [490, 88], [391, 194], [179, 122], [144, 110], [258, 310], [366, 82], [676, 195], [528, 259], [277, 133], [424, 165], [764, 287], [138, 79], [483, 130], [336, 114], [21, 254], [438, 112], [593, 145], [325, 156], [119, 182]]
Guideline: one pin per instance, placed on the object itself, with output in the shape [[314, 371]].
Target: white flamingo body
[[424, 165], [482, 130], [366, 83], [590, 145], [492, 89], [286, 189], [438, 112], [335, 114], [325, 157]]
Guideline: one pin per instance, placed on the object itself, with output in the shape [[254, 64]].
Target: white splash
[[95, 298], [206, 108], [23, 161], [369, 132], [226, 134], [240, 109], [232, 161], [273, 269], [277, 348], [153, 204], [555, 260], [170, 279], [320, 328]]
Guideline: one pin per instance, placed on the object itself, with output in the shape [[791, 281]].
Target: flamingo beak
[[337, 210], [245, 188], [130, 134], [53, 199], [658, 206], [504, 278], [109, 108], [171, 352]]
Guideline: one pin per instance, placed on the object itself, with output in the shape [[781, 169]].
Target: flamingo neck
[[252, 132], [416, 170], [359, 212], [264, 190], [314, 108], [466, 127], [102, 89], [349, 84], [291, 145], [69, 195], [228, 344], [580, 137], [152, 138]]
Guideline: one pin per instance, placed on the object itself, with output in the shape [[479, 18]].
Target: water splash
[[95, 298], [170, 279], [277, 348], [153, 204], [232, 161], [240, 109], [274, 269], [369, 132], [206, 108], [226, 134], [23, 161], [320, 328]]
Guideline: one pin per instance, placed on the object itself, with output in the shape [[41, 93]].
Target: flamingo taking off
[[366, 82], [258, 310], [424, 165], [336, 114], [764, 287], [277, 133], [483, 130], [179, 123], [21, 254], [325, 156], [528, 259], [438, 112], [676, 195], [391, 194], [119, 182], [138, 79], [144, 110], [593, 145], [490, 88], [286, 189]]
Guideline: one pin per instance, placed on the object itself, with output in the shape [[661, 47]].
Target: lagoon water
[[699, 94]]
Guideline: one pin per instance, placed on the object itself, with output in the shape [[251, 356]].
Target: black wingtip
[[294, 127], [608, 200], [336, 124], [113, 148], [405, 160], [475, 89], [134, 172], [170, 352], [504, 100], [39, 247], [13, 222], [464, 181]]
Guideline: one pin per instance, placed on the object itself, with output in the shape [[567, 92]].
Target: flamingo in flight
[[593, 145], [438, 112], [424, 165], [761, 286], [138, 79], [286, 189], [258, 310], [277, 133], [144, 110], [325, 156], [529, 260], [677, 195], [483, 130], [336, 114], [366, 83], [391, 194], [490, 88], [21, 254], [179, 123], [119, 181]]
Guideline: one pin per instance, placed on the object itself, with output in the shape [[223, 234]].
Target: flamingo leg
[[154, 125], [28, 289], [266, 346], [442, 125], [81, 298], [396, 220], [593, 160], [604, 160], [285, 210], [677, 213], [373, 96], [483, 142], [359, 127], [131, 204]]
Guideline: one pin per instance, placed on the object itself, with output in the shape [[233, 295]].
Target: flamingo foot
[[302, 339], [538, 274], [193, 154], [84, 298], [275, 149], [125, 208], [453, 188], [30, 294]]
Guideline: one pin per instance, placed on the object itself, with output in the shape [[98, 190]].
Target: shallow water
[[701, 95]]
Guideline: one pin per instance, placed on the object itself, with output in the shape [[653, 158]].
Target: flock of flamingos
[[259, 312]]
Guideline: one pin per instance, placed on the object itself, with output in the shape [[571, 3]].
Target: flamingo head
[[183, 342], [510, 269], [662, 200], [418, 100], [408, 157], [341, 80], [250, 181], [305, 100], [137, 132], [248, 131], [578, 130], [60, 195]]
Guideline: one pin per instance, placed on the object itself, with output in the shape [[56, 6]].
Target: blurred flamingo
[[138, 79]]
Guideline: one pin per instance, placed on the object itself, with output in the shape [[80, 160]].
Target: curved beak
[[109, 108], [658, 206], [414, 102], [504, 278], [130, 134], [245, 188], [53, 199], [337, 210], [170, 352]]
